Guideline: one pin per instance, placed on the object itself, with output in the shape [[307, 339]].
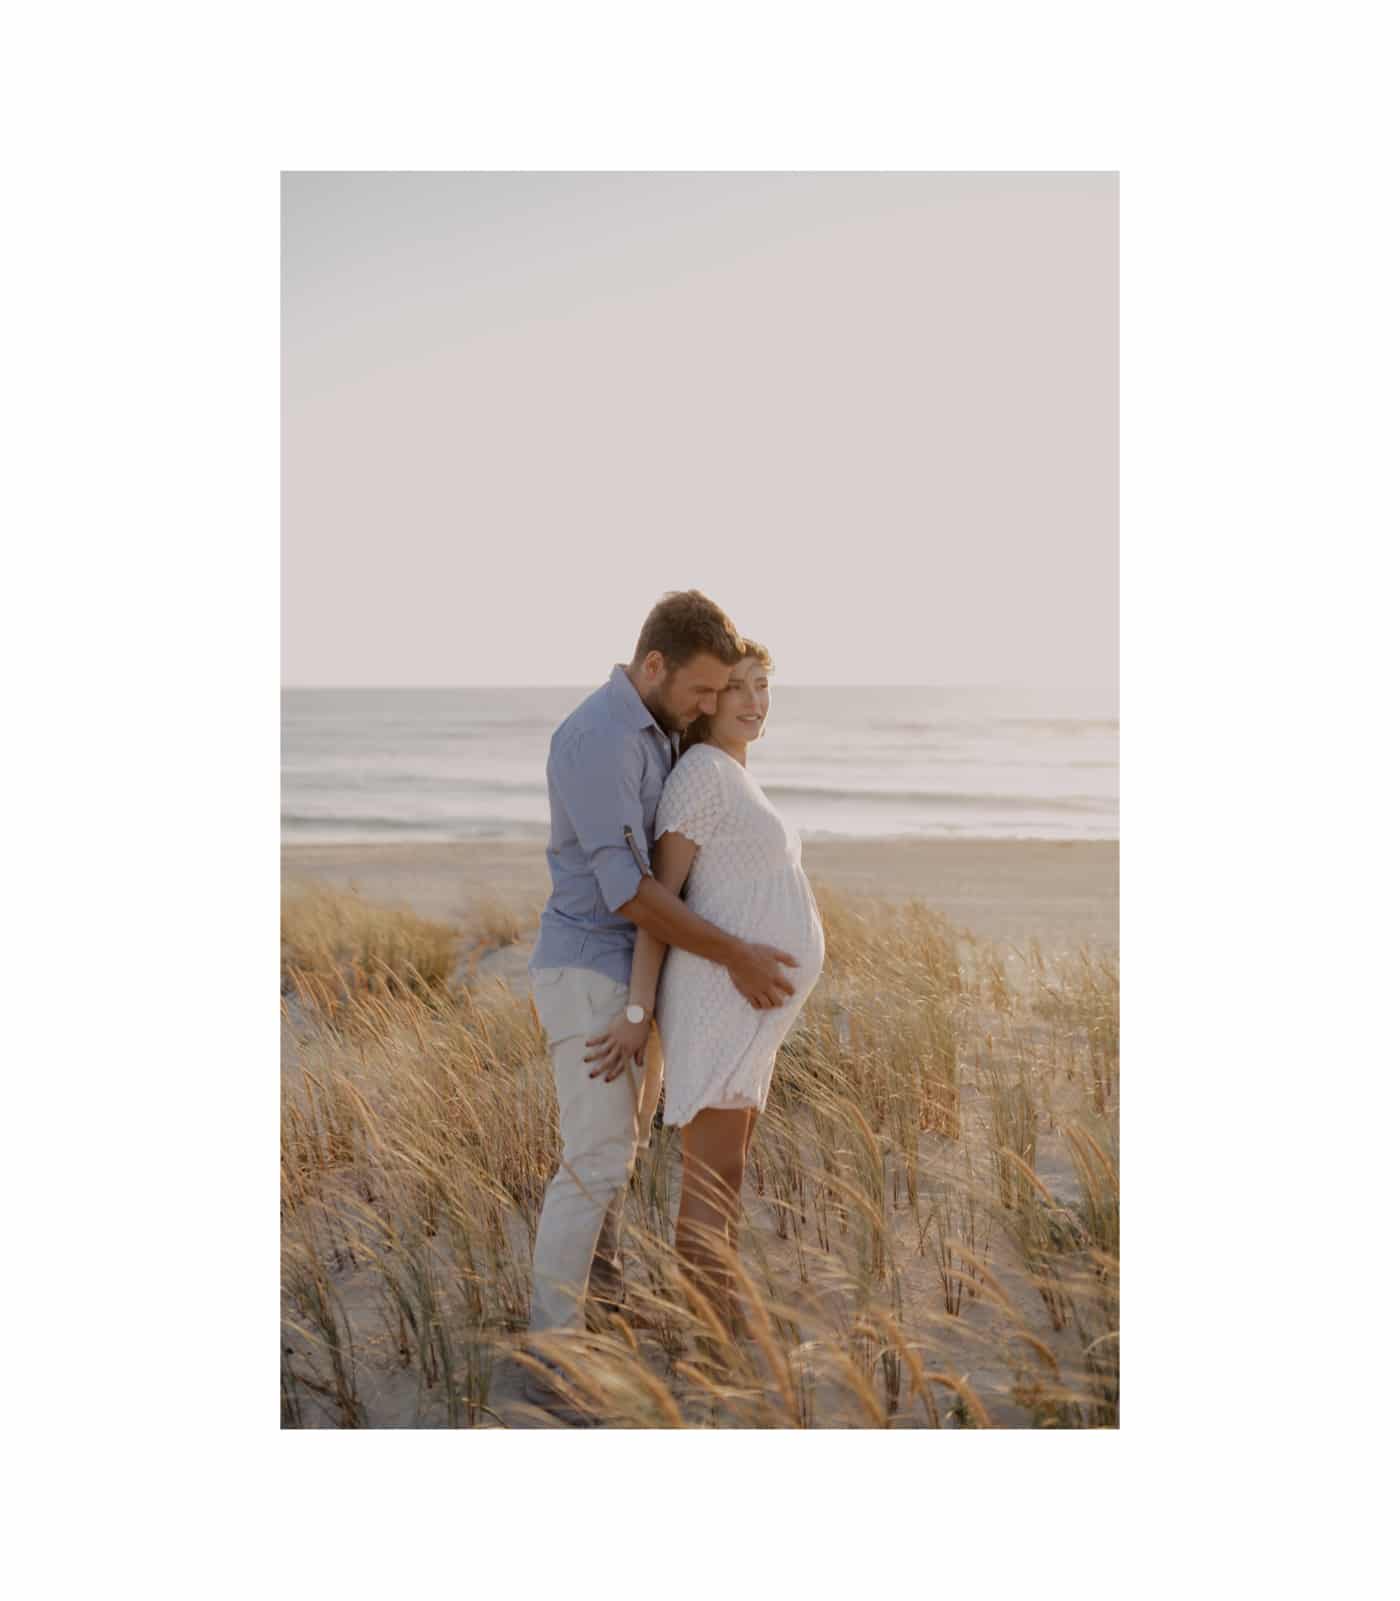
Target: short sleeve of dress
[[693, 802]]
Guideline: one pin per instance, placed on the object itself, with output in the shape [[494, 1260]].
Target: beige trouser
[[576, 1244]]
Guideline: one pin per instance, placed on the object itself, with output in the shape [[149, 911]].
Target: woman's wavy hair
[[699, 730]]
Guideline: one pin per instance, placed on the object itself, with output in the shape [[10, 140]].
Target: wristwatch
[[636, 1014]]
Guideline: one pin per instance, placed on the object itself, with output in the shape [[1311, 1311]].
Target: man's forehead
[[707, 670]]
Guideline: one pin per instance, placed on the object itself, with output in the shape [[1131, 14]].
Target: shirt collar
[[629, 703]]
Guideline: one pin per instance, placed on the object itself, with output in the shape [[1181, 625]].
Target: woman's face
[[742, 708]]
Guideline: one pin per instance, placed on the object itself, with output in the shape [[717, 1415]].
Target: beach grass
[[339, 942], [930, 1234]]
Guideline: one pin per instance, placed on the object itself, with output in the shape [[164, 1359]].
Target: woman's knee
[[715, 1171], [713, 1141]]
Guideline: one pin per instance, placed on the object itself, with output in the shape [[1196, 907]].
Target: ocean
[[865, 763]]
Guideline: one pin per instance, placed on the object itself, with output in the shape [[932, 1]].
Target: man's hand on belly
[[757, 971]]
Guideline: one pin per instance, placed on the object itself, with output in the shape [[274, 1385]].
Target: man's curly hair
[[682, 625]]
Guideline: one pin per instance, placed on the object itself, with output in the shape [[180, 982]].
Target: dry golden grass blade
[[1043, 1351], [967, 1395], [419, 1132], [761, 1324], [918, 1382], [493, 922], [849, 1374], [1027, 1172]]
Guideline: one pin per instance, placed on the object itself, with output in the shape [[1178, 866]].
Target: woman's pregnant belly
[[776, 909]]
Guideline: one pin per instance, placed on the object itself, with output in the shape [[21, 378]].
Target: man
[[607, 763]]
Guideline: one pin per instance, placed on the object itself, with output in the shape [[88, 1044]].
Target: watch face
[[635, 1014]]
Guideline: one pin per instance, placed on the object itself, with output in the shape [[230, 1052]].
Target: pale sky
[[874, 416]]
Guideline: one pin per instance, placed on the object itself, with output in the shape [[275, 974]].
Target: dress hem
[[694, 1112]]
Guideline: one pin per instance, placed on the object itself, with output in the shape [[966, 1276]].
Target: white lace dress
[[747, 879]]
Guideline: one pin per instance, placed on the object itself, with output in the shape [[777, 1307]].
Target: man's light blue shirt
[[607, 763]]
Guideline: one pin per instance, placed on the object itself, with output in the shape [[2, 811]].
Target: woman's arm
[[672, 857], [625, 1042]]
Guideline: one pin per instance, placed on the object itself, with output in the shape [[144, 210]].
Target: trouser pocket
[[575, 1001]]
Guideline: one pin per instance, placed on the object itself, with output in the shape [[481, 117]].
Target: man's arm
[[598, 777], [622, 1042], [599, 780], [757, 970]]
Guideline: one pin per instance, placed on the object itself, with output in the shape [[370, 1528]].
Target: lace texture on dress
[[747, 879], [693, 802]]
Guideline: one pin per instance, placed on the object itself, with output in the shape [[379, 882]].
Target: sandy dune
[[1059, 892]]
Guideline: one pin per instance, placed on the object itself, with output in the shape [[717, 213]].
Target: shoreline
[[1061, 892]]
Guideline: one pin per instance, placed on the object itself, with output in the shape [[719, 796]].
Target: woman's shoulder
[[702, 775], [699, 759]]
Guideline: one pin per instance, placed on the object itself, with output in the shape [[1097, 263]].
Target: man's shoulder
[[591, 714], [593, 726]]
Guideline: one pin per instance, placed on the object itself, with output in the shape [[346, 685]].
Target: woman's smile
[[742, 709]]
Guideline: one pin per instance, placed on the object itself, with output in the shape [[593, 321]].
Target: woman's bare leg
[[713, 1147], [733, 1230], [739, 1321]]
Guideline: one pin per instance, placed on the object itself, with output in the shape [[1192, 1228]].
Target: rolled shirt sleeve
[[598, 776]]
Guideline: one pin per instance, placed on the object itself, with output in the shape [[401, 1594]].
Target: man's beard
[[657, 707]]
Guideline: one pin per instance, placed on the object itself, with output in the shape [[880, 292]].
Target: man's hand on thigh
[[620, 1042]]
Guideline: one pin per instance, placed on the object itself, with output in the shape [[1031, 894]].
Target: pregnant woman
[[719, 837]]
